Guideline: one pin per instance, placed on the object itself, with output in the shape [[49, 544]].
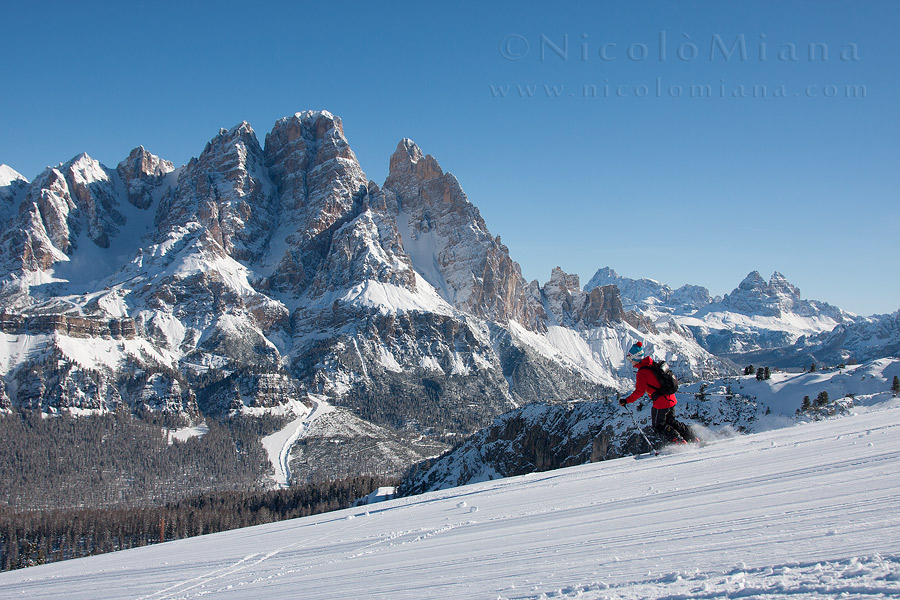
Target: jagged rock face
[[161, 394], [562, 292], [572, 307], [58, 384], [320, 186], [227, 190], [538, 437], [753, 294], [603, 306], [12, 184], [315, 170], [65, 206], [691, 297], [775, 298], [77, 197], [73, 326], [644, 294], [143, 173], [366, 248], [85, 200], [26, 245], [450, 244], [250, 393]]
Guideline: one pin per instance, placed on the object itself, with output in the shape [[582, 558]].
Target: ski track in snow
[[807, 512], [278, 445]]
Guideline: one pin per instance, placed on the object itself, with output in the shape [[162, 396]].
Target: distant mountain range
[[761, 322], [259, 274]]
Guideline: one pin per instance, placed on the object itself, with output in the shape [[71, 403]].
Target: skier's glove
[[623, 402]]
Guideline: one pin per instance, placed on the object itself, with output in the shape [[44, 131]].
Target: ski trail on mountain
[[278, 445]]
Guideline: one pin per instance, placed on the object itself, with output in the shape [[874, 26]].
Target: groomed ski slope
[[809, 511]]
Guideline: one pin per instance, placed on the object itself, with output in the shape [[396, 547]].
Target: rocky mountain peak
[[75, 197], [603, 276], [635, 293], [227, 191], [408, 162], [12, 183], [753, 281], [319, 186], [778, 283], [315, 171], [559, 279], [142, 173], [755, 296], [242, 131], [572, 307], [449, 242], [9, 175], [306, 140]]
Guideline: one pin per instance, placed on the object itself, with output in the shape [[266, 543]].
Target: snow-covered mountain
[[807, 511], [756, 317], [864, 338], [258, 277], [649, 296]]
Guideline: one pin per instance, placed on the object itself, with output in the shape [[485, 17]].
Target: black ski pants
[[665, 424]]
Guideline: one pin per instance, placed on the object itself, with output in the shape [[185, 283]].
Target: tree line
[[30, 538], [119, 460]]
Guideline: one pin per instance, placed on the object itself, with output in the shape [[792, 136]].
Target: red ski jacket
[[647, 384]]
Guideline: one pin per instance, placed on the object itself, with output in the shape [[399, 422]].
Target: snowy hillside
[[545, 436], [808, 511]]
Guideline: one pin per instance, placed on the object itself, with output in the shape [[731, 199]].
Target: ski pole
[[646, 439]]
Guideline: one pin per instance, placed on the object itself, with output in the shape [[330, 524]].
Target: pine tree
[[807, 404], [895, 387], [701, 395], [812, 367], [822, 398], [768, 374]]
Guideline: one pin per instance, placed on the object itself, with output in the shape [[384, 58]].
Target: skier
[[662, 415]]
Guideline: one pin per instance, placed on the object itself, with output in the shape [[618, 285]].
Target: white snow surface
[[802, 512], [185, 433], [8, 175], [392, 299]]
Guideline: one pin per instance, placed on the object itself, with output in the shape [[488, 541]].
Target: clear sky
[[688, 142]]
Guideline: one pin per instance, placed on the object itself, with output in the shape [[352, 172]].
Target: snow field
[[809, 511]]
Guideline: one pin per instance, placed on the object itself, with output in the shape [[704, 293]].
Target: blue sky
[[688, 142]]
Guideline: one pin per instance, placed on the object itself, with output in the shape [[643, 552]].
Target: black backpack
[[667, 382]]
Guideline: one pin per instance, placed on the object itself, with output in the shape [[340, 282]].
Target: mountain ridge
[[260, 276]]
